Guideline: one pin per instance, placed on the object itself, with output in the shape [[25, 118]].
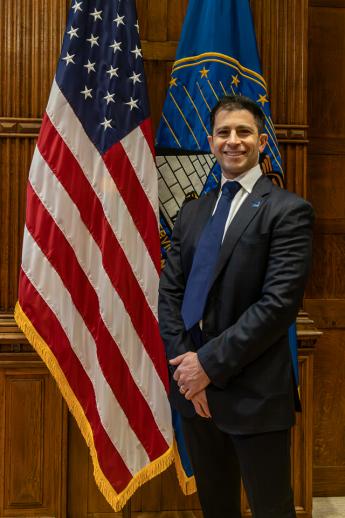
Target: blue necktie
[[205, 258]]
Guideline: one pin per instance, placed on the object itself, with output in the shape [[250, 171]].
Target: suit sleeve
[[171, 291], [268, 319]]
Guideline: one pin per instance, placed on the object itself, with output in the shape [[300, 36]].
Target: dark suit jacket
[[255, 295]]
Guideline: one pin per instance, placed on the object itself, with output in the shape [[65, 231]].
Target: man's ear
[[210, 142], [263, 139]]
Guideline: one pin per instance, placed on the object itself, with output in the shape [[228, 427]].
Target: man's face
[[236, 142]]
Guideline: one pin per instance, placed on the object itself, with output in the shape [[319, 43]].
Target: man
[[224, 313]]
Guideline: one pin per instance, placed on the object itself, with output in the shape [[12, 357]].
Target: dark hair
[[231, 103]]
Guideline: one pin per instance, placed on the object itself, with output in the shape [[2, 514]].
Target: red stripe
[[135, 198], [67, 170], [146, 128], [61, 255], [49, 328]]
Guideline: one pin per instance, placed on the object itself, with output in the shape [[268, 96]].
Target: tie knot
[[230, 189]]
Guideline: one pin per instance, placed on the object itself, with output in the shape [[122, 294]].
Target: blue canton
[[101, 69]]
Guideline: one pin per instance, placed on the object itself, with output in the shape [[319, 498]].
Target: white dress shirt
[[247, 181]]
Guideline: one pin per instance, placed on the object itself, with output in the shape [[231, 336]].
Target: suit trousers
[[219, 459]]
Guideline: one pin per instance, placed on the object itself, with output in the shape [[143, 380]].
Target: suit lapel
[[248, 210], [204, 211]]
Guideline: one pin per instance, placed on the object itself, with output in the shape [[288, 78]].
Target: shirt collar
[[247, 179]]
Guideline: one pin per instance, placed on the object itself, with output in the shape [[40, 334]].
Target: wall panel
[[326, 188], [24, 411], [15, 153], [282, 33], [329, 419], [30, 42], [32, 432]]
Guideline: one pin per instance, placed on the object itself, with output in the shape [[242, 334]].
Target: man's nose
[[233, 138]]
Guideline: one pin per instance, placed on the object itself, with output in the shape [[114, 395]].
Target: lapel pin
[[256, 204]]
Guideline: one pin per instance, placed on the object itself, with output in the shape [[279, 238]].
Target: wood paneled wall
[[30, 42], [326, 190]]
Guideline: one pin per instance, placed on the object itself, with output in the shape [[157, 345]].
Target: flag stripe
[[44, 278], [50, 329], [141, 159], [132, 192], [54, 197], [95, 170], [58, 157], [146, 128], [45, 232]]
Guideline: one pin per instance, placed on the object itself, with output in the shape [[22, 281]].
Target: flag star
[[73, 32], [93, 40], [137, 26], [262, 99], [116, 46], [96, 15], [135, 78], [77, 7], [133, 103], [137, 52], [113, 71], [173, 81], [204, 72], [106, 123], [109, 97], [235, 81], [119, 20], [69, 59], [90, 66], [87, 92]]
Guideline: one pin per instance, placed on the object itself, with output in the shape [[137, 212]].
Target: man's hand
[[190, 376], [200, 404]]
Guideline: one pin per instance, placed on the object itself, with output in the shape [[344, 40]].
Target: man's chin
[[234, 163], [233, 171]]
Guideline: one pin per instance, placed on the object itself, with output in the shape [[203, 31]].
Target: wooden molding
[[19, 127], [15, 350], [29, 127], [307, 332], [292, 133], [159, 50], [333, 4], [328, 313], [10, 332]]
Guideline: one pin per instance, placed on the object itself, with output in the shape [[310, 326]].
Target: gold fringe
[[187, 484], [116, 500]]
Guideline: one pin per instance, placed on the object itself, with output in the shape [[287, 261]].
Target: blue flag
[[217, 55]]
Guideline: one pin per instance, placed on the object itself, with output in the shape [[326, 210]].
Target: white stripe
[[140, 156], [51, 288], [67, 217], [115, 210]]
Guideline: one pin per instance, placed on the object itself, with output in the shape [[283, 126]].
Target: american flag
[[91, 255]]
